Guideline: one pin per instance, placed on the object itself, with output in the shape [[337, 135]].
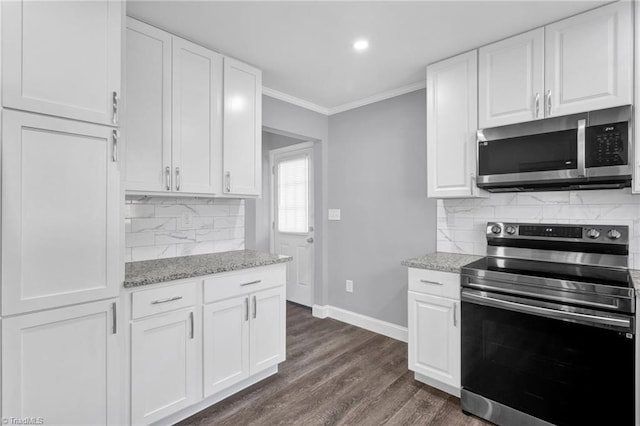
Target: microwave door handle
[[582, 124]]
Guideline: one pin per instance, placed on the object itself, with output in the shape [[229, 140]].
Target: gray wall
[[289, 120], [377, 177]]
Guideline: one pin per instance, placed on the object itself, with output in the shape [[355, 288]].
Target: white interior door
[[292, 201]]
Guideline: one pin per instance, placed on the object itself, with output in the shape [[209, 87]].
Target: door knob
[[310, 239]]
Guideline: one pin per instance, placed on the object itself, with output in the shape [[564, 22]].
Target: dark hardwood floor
[[337, 374]]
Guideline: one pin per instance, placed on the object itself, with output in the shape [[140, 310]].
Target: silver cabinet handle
[[177, 178], [582, 124], [114, 309], [430, 282], [167, 178], [537, 104], [310, 240], [192, 325], [115, 135], [114, 101], [255, 307], [227, 177], [548, 102], [168, 299], [246, 308], [455, 314], [251, 283]]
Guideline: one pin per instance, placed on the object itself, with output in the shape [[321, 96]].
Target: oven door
[[561, 364]]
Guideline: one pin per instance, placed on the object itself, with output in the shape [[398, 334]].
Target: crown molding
[[379, 97], [295, 101], [344, 107]]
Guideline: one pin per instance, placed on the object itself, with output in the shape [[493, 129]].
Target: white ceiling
[[305, 48]]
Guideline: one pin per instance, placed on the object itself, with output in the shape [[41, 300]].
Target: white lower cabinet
[[165, 364], [62, 365], [196, 341], [434, 330], [243, 336], [226, 344]]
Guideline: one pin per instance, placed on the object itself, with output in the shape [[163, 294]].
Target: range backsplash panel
[[461, 222]]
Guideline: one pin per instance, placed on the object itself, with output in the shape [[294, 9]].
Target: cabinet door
[[242, 148], [197, 132], [589, 60], [511, 80], [60, 219], [62, 58], [452, 118], [226, 344], [148, 118], [62, 366], [165, 365], [434, 338], [268, 327]]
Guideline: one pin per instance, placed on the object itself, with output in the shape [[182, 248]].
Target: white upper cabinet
[[148, 118], [60, 218], [197, 124], [181, 100], [62, 58], [452, 122], [511, 86], [589, 60], [575, 65], [174, 113], [242, 143]]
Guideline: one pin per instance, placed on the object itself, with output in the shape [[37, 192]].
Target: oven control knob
[[614, 234], [593, 233], [510, 229], [496, 229]]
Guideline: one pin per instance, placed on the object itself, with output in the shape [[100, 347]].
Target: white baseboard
[[368, 323], [319, 311], [207, 402]]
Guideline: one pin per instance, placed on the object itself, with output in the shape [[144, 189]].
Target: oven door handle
[[620, 324]]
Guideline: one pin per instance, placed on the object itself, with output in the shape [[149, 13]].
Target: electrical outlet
[[349, 286], [187, 219]]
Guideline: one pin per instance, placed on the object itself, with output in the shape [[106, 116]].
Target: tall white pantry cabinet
[[61, 272]]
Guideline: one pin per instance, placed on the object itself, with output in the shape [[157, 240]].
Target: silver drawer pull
[[168, 299], [430, 282], [251, 283]]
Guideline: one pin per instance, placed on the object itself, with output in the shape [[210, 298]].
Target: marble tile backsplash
[[160, 227], [461, 222]]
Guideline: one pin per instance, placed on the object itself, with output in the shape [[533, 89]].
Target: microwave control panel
[[606, 145]]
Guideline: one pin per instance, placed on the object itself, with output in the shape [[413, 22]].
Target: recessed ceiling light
[[361, 45]]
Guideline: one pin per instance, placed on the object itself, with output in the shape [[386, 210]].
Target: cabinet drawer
[[164, 299], [436, 283], [231, 284]]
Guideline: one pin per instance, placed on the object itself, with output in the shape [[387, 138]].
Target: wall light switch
[[334, 214]]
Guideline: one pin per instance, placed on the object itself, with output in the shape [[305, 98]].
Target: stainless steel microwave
[[589, 150]]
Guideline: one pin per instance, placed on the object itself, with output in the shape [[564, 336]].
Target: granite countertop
[[440, 261], [176, 268]]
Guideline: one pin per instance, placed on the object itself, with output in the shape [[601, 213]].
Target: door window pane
[[293, 195]]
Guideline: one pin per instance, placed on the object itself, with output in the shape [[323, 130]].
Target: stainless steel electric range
[[548, 326]]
